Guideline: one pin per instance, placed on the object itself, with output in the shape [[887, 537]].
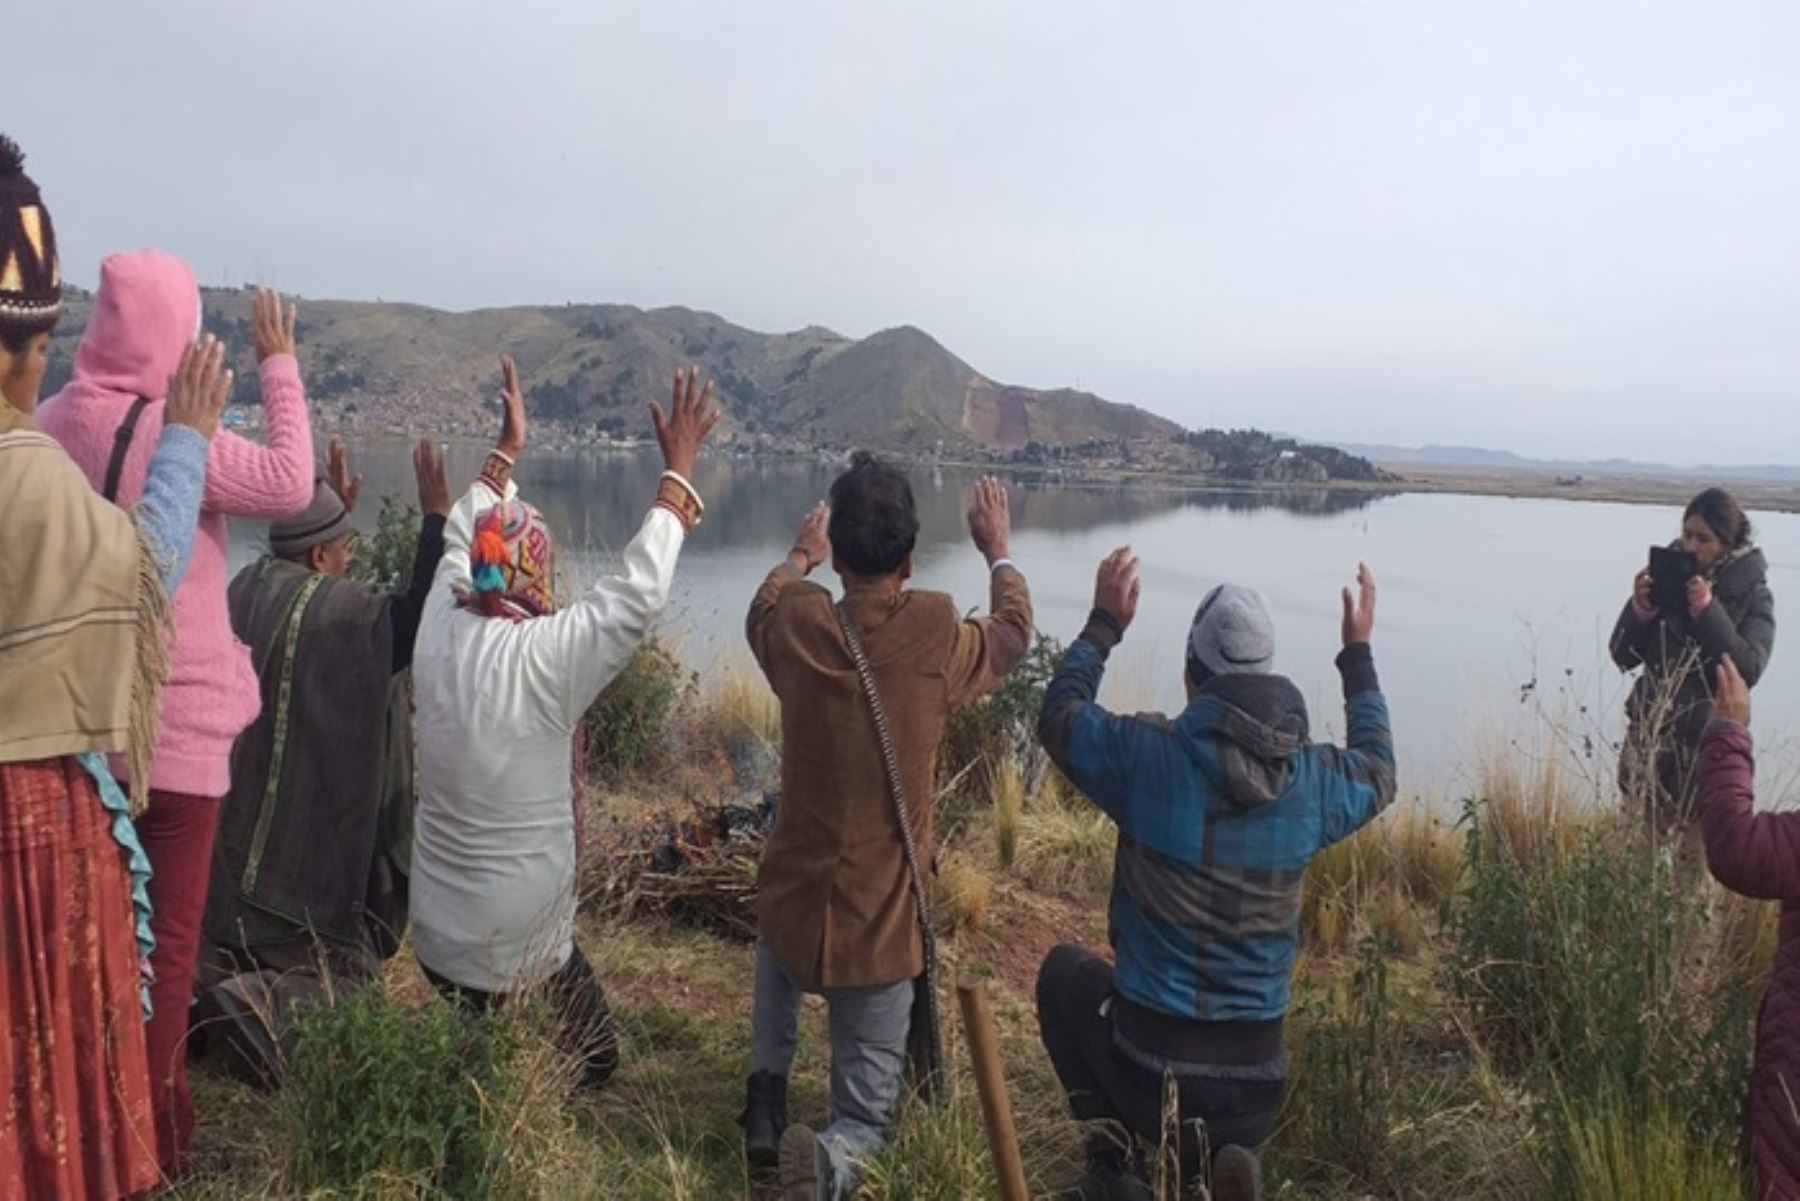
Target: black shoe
[[764, 1118], [1111, 1184], [1113, 1174], [1236, 1174], [806, 1173]]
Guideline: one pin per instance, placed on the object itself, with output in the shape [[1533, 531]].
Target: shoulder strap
[[122, 447], [925, 1046]]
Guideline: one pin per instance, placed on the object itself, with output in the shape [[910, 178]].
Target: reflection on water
[[1479, 595]]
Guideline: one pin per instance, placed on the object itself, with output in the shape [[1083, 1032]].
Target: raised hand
[[272, 329], [1642, 592], [337, 469], [990, 519], [199, 388], [1116, 587], [512, 400], [1731, 697], [1359, 610], [434, 480], [1699, 595], [690, 419], [812, 546]]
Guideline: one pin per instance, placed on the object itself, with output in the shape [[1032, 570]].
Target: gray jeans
[[868, 1057]]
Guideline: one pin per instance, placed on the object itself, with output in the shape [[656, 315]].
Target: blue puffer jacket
[[1219, 811]]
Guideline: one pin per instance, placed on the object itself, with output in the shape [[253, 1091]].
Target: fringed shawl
[[84, 619]]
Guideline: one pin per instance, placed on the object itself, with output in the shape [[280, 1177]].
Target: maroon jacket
[[1758, 855]]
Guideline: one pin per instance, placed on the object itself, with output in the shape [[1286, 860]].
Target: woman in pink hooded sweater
[[109, 419]]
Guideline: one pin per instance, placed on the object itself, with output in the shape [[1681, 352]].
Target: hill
[[1479, 458], [590, 368]]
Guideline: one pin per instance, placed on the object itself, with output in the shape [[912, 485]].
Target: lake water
[[1492, 624]]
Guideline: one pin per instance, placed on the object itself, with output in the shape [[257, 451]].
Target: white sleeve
[[571, 656]]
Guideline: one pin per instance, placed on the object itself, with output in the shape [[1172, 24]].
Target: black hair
[[874, 523], [15, 338], [1721, 512]]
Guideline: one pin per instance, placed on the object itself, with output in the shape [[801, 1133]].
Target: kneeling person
[[309, 870], [837, 908], [1219, 811]]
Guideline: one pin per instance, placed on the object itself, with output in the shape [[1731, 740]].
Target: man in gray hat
[[309, 872], [1219, 811]]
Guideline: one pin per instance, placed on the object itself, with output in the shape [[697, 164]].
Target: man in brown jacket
[[837, 912]]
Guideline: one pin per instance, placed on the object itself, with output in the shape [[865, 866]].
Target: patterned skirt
[[75, 1120]]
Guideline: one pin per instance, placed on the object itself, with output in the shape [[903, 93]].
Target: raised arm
[[273, 480], [1636, 620], [434, 505], [1100, 752], [168, 512], [1360, 776], [811, 547], [988, 649], [1747, 643], [1756, 854]]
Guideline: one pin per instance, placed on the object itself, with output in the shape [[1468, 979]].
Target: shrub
[[1004, 721], [376, 1091], [385, 558], [1587, 967], [630, 728], [1370, 1110]]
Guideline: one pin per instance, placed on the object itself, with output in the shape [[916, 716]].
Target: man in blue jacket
[[1219, 811]]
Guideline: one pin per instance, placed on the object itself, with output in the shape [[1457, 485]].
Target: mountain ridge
[[590, 369]]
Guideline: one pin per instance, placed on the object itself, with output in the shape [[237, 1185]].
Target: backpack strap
[[925, 1040], [122, 447]]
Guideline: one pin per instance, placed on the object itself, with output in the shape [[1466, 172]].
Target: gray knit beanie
[[324, 520], [1233, 633]]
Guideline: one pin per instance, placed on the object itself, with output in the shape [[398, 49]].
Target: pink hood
[[147, 311]]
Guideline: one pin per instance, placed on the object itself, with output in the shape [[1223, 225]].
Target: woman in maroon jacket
[[1758, 855]]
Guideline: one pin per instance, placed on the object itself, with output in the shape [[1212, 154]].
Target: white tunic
[[493, 868]]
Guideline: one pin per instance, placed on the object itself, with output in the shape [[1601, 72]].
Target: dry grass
[[735, 704], [1389, 879], [1065, 844], [963, 895], [1008, 806], [1447, 1123]]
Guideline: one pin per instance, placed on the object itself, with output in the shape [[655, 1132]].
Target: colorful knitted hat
[[30, 276], [511, 563]]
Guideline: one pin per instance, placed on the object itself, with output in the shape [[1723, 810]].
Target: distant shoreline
[[1510, 483]]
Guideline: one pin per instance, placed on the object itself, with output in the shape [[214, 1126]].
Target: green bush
[[980, 736], [385, 559], [406, 1097], [631, 727], [1587, 967]]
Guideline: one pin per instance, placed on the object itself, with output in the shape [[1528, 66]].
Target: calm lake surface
[[1491, 629]]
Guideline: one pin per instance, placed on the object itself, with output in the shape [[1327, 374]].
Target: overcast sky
[[1564, 229]]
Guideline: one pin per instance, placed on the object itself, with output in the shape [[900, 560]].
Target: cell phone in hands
[[1670, 571]]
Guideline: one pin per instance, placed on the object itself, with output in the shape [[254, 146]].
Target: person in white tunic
[[503, 676]]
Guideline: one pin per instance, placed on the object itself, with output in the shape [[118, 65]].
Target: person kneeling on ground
[[309, 872], [1758, 855], [503, 677], [1219, 811], [837, 907]]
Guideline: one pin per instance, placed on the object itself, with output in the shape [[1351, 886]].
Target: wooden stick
[[990, 1082]]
